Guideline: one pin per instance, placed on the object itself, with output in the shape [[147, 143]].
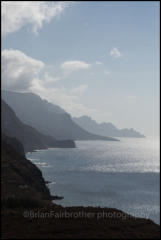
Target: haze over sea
[[123, 175]]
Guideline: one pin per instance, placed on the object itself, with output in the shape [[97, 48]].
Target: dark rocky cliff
[[19, 177]]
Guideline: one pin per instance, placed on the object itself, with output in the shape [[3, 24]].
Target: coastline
[[30, 213], [134, 191]]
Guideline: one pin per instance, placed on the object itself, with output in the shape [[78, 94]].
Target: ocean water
[[123, 175]]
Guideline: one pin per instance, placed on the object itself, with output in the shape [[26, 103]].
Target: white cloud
[[115, 53], [17, 14], [48, 78], [74, 65], [19, 70]]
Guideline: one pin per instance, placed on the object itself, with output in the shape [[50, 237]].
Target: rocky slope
[[19, 177], [56, 222], [27, 135]]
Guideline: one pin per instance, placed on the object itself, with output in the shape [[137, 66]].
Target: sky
[[99, 59]]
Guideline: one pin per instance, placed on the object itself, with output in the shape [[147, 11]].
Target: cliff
[[19, 177], [30, 138]]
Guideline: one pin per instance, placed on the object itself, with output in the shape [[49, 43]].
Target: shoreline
[[59, 197], [28, 211]]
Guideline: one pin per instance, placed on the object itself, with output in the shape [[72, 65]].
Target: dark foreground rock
[[20, 178], [55, 197], [56, 222]]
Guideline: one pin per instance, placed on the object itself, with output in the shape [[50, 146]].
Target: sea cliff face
[[20, 178]]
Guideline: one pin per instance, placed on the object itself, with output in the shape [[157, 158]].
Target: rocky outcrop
[[19, 177], [13, 143], [56, 222], [65, 144]]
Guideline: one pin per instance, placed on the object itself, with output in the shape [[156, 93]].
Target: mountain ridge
[[31, 139], [47, 118], [105, 128]]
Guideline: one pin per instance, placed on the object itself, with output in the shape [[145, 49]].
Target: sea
[[121, 174]]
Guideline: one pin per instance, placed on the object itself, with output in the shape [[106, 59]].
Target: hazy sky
[[99, 59]]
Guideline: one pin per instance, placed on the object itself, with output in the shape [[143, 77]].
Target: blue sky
[[93, 58]]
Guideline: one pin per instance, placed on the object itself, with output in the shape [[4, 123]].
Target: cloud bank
[[19, 70]]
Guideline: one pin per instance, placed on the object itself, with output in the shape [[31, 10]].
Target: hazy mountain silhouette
[[27, 135], [47, 118], [106, 129]]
